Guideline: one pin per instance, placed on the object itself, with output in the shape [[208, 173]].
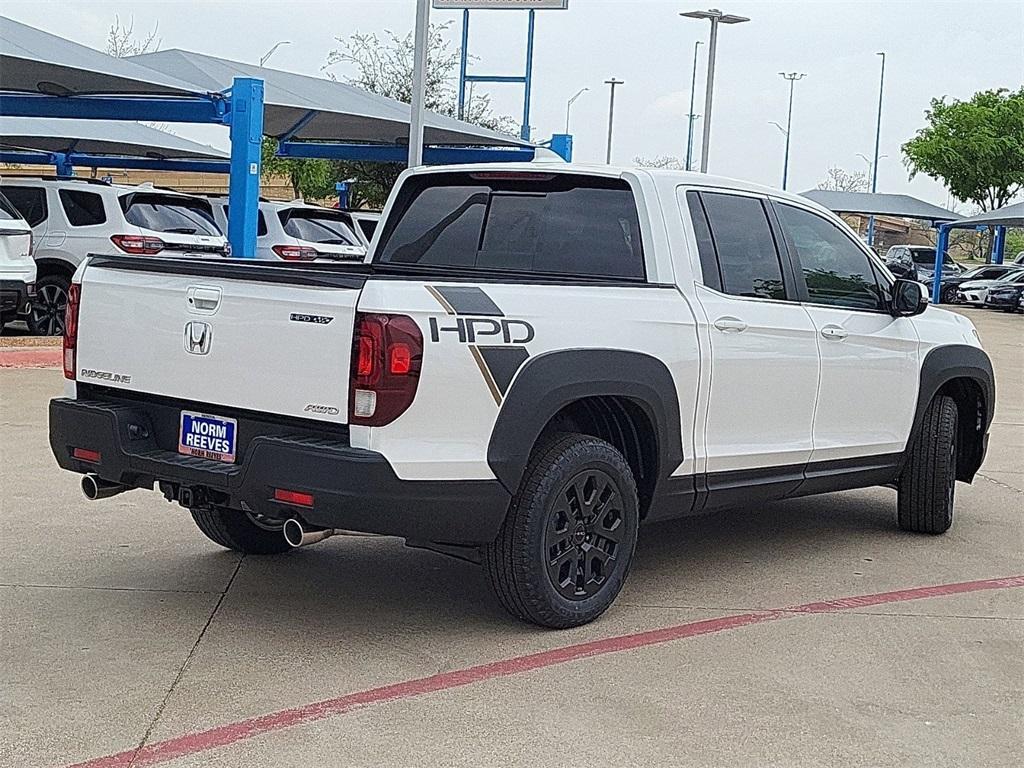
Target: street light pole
[[878, 136], [716, 17], [792, 77], [611, 115], [268, 54], [419, 83], [568, 106], [691, 117]]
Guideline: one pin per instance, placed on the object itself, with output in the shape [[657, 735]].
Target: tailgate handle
[[203, 300]]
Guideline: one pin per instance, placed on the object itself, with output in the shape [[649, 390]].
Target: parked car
[[17, 270], [1005, 294], [533, 363], [365, 224], [976, 291], [297, 231], [71, 218], [951, 285], [917, 262]]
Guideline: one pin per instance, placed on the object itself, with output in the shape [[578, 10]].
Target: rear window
[[83, 209], [7, 211], [30, 202], [315, 226], [169, 213], [554, 224]]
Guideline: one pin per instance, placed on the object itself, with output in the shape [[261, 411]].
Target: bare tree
[[122, 42], [840, 180], [661, 161], [384, 66]]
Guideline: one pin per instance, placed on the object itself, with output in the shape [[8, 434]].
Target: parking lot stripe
[[232, 733]]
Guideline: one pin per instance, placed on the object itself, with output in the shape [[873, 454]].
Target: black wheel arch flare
[[551, 381]]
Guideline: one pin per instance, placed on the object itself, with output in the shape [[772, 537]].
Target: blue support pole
[[246, 118], [998, 245], [180, 110], [116, 161], [871, 231], [561, 145], [463, 61], [63, 164], [940, 256], [341, 188], [524, 131]]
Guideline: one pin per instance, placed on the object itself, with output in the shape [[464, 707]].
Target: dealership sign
[[507, 4]]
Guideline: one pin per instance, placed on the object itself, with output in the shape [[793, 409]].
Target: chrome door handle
[[834, 332], [730, 324]]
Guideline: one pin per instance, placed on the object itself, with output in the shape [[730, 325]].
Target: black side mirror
[[909, 297]]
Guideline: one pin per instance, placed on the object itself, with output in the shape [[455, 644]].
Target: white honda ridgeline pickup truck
[[533, 361]]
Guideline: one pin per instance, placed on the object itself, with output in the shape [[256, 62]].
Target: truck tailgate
[[256, 337]]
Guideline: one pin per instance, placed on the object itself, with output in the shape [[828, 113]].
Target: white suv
[[297, 231], [17, 270], [72, 218]]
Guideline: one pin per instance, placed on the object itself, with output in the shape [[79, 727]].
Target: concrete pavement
[[120, 625]]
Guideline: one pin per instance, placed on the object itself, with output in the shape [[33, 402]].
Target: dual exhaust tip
[[94, 487]]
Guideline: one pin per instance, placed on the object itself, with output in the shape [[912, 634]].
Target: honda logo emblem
[[197, 337]]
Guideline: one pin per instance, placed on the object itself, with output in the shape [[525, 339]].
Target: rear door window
[[30, 202], [83, 209], [169, 213], [536, 223], [7, 211], [747, 256], [315, 226]]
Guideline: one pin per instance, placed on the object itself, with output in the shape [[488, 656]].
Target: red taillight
[[71, 329], [386, 356], [295, 252], [137, 244], [86, 454], [293, 497]]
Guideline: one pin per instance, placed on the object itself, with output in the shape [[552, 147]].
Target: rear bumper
[[15, 295], [353, 488]]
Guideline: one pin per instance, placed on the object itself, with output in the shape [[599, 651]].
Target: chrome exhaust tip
[[297, 536], [94, 487]]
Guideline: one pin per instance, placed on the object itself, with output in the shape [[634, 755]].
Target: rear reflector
[[86, 455], [293, 497]]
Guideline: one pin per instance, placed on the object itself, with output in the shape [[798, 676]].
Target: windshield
[[315, 226], [169, 213], [926, 257]]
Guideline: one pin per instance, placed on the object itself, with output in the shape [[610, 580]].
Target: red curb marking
[[223, 735], [31, 357]]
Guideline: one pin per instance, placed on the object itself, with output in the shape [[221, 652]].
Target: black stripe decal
[[503, 362], [469, 300]]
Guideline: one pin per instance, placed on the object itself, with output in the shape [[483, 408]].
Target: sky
[[933, 49]]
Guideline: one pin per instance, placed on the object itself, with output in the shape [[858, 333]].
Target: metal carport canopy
[[1007, 216], [55, 134], [304, 108], [879, 204]]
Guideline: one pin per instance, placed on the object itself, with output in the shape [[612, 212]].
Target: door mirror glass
[[909, 297]]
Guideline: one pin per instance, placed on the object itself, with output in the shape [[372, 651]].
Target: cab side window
[[748, 260], [837, 272]]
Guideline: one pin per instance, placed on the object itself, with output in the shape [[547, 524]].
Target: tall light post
[[716, 17], [268, 54], [568, 105], [611, 115], [867, 160], [691, 116], [419, 83], [878, 136], [792, 77]]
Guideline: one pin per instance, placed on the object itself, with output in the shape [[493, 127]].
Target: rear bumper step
[[353, 488]]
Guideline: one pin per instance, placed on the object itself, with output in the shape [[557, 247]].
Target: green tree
[[975, 148], [311, 179]]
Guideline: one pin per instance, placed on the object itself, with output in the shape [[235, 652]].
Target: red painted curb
[[223, 735], [31, 357]]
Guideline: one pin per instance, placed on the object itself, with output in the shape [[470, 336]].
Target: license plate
[[209, 437]]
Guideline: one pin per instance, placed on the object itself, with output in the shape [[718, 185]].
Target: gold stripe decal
[[486, 373], [440, 299]]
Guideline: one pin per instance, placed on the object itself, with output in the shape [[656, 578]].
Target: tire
[[926, 486], [46, 315], [948, 295], [563, 504], [234, 529]]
